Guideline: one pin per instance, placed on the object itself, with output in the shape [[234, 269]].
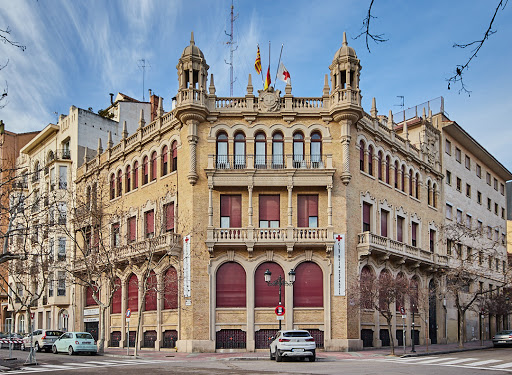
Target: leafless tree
[[5, 37]]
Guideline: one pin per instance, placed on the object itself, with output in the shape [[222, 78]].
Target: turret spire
[[344, 39], [192, 43]]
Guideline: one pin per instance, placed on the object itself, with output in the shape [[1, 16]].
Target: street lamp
[[412, 332], [280, 281]]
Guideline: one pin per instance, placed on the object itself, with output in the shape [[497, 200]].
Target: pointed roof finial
[[124, 134], [212, 86], [109, 139], [249, 85], [192, 39], [424, 116], [345, 39], [373, 111], [325, 91], [142, 122], [100, 148], [390, 120], [85, 154], [160, 108]]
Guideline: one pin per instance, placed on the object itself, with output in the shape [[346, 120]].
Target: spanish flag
[[257, 63], [267, 81]]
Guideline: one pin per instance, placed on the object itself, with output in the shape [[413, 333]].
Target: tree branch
[[365, 29], [4, 37]]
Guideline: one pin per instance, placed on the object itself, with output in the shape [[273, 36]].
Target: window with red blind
[[145, 170], [170, 289], [399, 228], [414, 233], [384, 215], [361, 155], [117, 297], [169, 217], [128, 179], [269, 211], [388, 160], [230, 211], [133, 293], [308, 288], [307, 211], [165, 161], [89, 299], [112, 186], [136, 175], [367, 209], [174, 149], [432, 239], [153, 166], [264, 295], [365, 285], [396, 174], [116, 235], [370, 160], [379, 165], [119, 183], [149, 224], [403, 178], [230, 285], [132, 229], [151, 285]]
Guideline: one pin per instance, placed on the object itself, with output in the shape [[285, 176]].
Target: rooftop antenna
[[402, 104], [231, 50], [143, 64]]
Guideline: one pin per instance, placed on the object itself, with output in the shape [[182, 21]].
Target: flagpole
[[277, 70], [261, 73]]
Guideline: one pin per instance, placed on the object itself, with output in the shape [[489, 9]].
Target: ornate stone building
[[219, 190]]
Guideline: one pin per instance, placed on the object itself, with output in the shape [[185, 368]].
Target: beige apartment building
[[313, 189]]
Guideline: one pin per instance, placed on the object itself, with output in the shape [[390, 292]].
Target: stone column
[[345, 147], [192, 141], [210, 205], [290, 208], [249, 210], [329, 205], [159, 302], [124, 305]]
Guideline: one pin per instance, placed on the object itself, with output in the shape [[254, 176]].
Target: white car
[[74, 342], [41, 339], [293, 343]]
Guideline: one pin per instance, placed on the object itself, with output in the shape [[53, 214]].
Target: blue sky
[[80, 51]]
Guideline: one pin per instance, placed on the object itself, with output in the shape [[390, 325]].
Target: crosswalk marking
[[480, 363], [503, 365], [457, 361], [431, 361]]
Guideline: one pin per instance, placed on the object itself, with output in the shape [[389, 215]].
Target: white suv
[[41, 339], [293, 343]]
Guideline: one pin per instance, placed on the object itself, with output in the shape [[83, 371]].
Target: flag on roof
[[283, 74], [268, 81], [257, 63]]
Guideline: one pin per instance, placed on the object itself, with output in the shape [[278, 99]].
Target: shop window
[[230, 285]]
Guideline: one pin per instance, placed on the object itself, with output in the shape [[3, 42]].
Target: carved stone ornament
[[269, 100], [428, 146]]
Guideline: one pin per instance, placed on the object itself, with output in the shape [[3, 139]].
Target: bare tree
[[5, 37]]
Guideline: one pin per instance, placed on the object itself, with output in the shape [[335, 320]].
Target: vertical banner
[[186, 266], [339, 264]]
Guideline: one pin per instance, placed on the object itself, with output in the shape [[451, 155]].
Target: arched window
[[388, 163], [117, 297], [21, 328], [136, 175], [417, 187], [370, 160], [396, 174], [308, 288], [89, 298], [316, 149], [128, 178], [413, 297], [384, 293], [260, 150], [231, 284], [379, 165], [36, 171], [277, 150], [174, 150], [165, 160], [119, 183], [429, 194], [403, 178], [153, 166], [222, 151], [170, 289], [400, 295], [133, 293], [145, 171], [410, 183], [151, 285], [434, 198], [264, 295], [366, 282], [112, 186], [361, 155], [239, 151], [63, 320], [298, 149]]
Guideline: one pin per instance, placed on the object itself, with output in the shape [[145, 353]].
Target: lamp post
[[412, 332], [280, 281]]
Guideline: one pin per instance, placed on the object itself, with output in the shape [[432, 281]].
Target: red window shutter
[[302, 211], [366, 213], [269, 207], [313, 205], [136, 175], [225, 205], [384, 223], [414, 230], [171, 289], [399, 227], [150, 222], [164, 154], [153, 166], [236, 211], [133, 293], [117, 297], [231, 285], [267, 296], [132, 229], [308, 288], [151, 294], [169, 217]]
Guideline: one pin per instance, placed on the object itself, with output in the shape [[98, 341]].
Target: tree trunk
[[462, 321], [139, 323], [101, 340], [391, 341]]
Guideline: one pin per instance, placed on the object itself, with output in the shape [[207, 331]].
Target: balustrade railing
[[269, 162]]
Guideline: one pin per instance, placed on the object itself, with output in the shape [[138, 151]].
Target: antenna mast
[[231, 50], [143, 63]]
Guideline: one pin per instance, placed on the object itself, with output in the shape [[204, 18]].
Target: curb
[[445, 352]]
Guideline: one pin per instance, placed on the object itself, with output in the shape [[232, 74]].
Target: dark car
[[502, 338]]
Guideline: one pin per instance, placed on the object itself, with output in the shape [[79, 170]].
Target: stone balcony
[[289, 237], [372, 244], [280, 170]]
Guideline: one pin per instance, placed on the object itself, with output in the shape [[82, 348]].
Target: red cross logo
[[286, 75], [339, 238], [186, 239]]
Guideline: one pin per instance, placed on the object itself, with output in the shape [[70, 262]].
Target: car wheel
[[92, 353], [271, 355], [279, 357], [36, 347], [313, 357], [54, 349], [70, 350]]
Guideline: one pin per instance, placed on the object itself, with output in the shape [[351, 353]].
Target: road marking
[[53, 367], [480, 363], [504, 365], [432, 361], [457, 361]]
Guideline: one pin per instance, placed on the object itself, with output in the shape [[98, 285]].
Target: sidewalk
[[421, 350]]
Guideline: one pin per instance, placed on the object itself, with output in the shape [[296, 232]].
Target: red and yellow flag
[[257, 63], [267, 81]]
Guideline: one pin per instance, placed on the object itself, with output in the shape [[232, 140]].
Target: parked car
[[74, 342], [41, 339], [293, 343], [502, 338], [15, 338]]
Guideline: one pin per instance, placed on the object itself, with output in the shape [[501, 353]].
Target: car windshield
[[296, 334], [53, 333], [83, 336], [505, 333]]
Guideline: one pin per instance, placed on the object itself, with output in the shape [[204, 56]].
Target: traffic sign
[[402, 310], [32, 315], [128, 313], [280, 310]]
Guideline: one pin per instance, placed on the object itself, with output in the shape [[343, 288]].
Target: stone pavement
[[321, 355]]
